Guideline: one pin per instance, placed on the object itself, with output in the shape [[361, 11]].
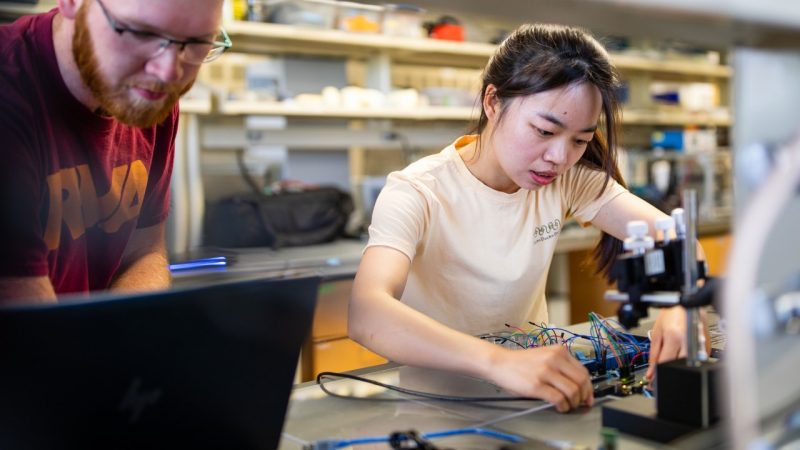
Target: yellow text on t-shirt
[[74, 200]]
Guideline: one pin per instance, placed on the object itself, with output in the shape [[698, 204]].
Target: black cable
[[246, 175], [401, 439], [428, 395], [504, 340]]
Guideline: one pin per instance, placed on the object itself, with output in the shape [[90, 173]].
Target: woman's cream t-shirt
[[479, 257]]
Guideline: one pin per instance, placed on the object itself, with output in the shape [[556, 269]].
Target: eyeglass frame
[[119, 28]]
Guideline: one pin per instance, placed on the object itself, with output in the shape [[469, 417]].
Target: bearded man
[[88, 118]]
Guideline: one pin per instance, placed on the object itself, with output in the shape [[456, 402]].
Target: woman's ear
[[491, 104]]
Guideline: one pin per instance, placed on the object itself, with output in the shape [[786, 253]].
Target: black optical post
[[665, 273]]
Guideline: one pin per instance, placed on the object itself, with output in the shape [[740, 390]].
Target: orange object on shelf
[[360, 17], [360, 24], [448, 32]]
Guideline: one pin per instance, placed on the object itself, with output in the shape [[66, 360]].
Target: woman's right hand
[[549, 373]]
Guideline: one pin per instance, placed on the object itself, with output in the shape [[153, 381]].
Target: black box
[[636, 415], [688, 394]]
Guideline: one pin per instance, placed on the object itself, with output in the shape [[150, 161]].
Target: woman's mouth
[[542, 178]]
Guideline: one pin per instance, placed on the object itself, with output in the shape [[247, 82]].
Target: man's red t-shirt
[[73, 185]]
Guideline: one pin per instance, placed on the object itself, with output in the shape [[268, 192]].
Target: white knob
[[637, 229], [638, 241], [664, 225]]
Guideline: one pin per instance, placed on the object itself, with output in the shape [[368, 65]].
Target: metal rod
[[690, 273]]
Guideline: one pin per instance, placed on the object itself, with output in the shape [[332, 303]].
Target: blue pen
[[202, 263]]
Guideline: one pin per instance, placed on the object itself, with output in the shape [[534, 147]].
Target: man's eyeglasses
[[149, 45]]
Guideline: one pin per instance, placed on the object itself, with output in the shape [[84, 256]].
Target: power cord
[[410, 392]]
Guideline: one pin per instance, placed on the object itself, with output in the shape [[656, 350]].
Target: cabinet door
[[716, 249], [329, 348], [341, 355], [330, 317], [586, 289]]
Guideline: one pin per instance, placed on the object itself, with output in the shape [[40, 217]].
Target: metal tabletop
[[313, 415]]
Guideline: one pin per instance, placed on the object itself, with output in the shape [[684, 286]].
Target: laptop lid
[[201, 367]]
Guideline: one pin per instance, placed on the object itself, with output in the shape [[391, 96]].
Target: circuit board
[[616, 360]]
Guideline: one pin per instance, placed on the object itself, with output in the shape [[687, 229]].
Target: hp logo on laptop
[[137, 399]]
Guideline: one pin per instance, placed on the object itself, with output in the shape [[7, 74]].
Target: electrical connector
[[325, 444]]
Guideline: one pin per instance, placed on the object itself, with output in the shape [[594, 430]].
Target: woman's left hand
[[668, 338]]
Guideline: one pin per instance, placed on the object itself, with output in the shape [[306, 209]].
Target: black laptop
[[207, 367]]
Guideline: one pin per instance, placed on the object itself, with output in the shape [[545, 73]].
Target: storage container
[[359, 17], [312, 13], [403, 20]]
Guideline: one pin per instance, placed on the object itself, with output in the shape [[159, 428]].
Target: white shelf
[[196, 105], [255, 37], [279, 109], [630, 117], [720, 118], [335, 39], [683, 67], [282, 39]]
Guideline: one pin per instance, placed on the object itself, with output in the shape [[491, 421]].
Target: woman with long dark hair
[[461, 241]]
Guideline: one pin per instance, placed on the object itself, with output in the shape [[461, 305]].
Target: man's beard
[[118, 101]]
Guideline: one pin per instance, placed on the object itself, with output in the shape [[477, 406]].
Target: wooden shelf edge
[[277, 109], [629, 117], [329, 41]]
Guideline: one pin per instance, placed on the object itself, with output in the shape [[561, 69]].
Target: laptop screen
[[201, 367]]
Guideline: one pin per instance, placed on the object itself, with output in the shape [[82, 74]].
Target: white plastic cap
[[664, 225], [638, 241], [637, 229]]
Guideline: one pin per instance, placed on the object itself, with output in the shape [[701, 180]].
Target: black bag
[[288, 218]]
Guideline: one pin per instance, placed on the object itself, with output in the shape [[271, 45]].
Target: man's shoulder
[[18, 39], [19, 54]]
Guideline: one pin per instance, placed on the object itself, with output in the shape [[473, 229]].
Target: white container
[[311, 13], [403, 20]]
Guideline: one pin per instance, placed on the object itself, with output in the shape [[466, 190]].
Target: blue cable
[[480, 431], [627, 343], [332, 444], [360, 441]]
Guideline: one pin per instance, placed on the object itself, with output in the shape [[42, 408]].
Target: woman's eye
[[543, 132], [581, 142]]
